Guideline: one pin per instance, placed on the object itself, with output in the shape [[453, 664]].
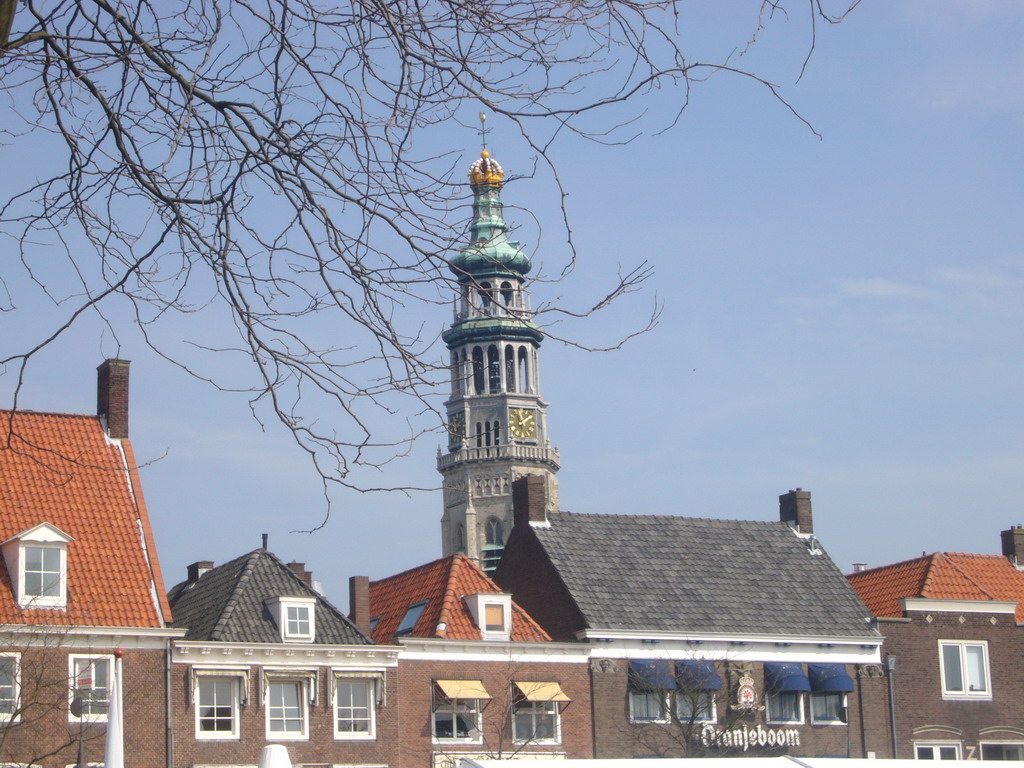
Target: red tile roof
[[62, 469], [442, 583], [940, 576]]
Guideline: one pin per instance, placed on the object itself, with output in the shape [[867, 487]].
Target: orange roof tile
[[442, 584], [63, 470], [940, 576]]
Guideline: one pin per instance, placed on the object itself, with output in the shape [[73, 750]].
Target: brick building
[[707, 637], [953, 633], [477, 677], [79, 579], [266, 659]]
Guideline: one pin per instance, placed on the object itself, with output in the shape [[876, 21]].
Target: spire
[[489, 251]]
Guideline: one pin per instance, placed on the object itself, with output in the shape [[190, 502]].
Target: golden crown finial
[[485, 171]]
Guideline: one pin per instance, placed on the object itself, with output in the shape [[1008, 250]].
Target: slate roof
[[940, 576], [442, 583], [228, 604], [681, 574], [62, 469]]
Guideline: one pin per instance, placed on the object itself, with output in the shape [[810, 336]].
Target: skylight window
[[412, 615]]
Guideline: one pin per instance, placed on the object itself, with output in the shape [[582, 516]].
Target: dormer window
[[492, 613], [37, 561], [295, 617]]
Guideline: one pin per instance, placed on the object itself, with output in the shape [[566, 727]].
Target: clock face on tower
[[456, 427], [522, 423]]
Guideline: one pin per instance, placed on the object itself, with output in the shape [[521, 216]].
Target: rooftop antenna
[[483, 129]]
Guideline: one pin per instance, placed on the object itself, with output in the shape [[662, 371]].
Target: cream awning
[[463, 689], [542, 691]]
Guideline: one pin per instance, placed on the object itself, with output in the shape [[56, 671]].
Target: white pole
[[114, 755]]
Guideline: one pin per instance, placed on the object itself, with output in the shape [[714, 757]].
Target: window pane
[[784, 707], [91, 686], [495, 621], [647, 705], [976, 668], [1002, 751], [948, 753], [951, 668], [352, 702], [534, 721], [8, 678], [826, 706], [696, 706], [285, 710], [216, 705], [456, 719]]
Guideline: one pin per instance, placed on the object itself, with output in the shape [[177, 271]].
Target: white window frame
[[537, 710], [370, 685], [654, 693], [478, 605], [711, 715], [935, 746], [93, 660], [45, 537], [281, 606], [14, 715], [823, 720], [962, 645], [773, 718], [453, 708], [233, 681], [983, 744], [302, 689]]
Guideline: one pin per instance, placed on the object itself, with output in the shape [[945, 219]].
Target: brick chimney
[[795, 509], [112, 397], [1013, 544], [197, 569], [529, 500], [359, 602], [299, 569]]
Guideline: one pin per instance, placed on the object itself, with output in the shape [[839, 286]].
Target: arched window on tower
[[494, 536], [479, 435], [493, 369], [524, 371], [497, 433], [464, 374], [510, 368], [456, 374], [507, 294], [460, 538], [487, 433], [485, 298], [478, 370]]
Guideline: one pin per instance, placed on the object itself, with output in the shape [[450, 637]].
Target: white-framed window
[[217, 707], [535, 722], [457, 720], [964, 668], [37, 561], [90, 687], [785, 707], [648, 706], [695, 706], [287, 709], [295, 617], [1002, 750], [936, 750], [492, 612], [354, 708], [10, 679], [828, 707]]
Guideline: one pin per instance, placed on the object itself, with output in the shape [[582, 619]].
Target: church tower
[[497, 421]]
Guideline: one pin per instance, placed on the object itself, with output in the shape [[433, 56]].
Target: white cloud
[[880, 288]]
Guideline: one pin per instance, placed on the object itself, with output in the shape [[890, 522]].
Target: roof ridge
[[415, 568], [232, 602], [886, 566], [567, 513], [929, 572], [449, 600], [968, 577]]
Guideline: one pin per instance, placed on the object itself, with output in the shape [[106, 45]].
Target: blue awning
[[698, 675], [829, 678], [782, 676], [651, 675]]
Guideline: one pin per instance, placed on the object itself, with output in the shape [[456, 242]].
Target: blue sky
[[842, 314]]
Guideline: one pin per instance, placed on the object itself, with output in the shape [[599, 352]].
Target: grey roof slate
[[228, 604], [681, 574]]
